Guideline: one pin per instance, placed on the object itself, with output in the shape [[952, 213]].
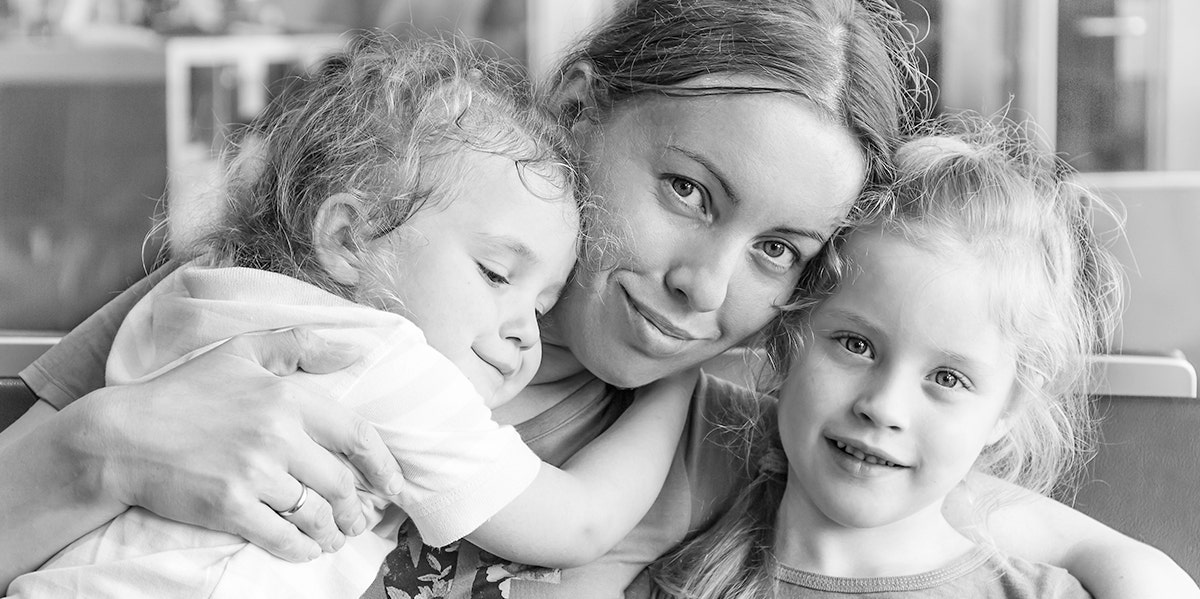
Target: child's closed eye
[[494, 278]]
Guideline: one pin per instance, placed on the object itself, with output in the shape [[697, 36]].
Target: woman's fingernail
[[360, 524], [395, 483]]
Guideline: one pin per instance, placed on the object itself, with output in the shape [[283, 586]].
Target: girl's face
[[709, 207], [475, 271], [904, 380]]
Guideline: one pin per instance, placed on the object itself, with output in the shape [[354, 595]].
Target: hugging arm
[[1110, 565], [571, 516], [219, 454]]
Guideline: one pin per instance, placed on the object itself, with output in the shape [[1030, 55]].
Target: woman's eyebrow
[[813, 234], [712, 168], [735, 199]]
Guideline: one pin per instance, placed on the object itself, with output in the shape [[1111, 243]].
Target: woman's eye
[[779, 253], [492, 276], [949, 379], [857, 345], [688, 193]]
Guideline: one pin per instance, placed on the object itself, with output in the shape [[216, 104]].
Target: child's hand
[[230, 453]]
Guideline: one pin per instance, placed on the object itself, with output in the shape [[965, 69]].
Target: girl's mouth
[[864, 456]]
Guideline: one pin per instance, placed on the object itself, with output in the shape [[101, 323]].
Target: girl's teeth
[[870, 459]]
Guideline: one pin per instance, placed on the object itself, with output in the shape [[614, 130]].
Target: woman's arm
[[212, 453], [1109, 564], [571, 517]]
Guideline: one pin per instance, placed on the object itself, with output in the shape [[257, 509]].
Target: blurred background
[[107, 107]]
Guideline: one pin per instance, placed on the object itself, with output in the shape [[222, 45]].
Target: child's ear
[[575, 99], [335, 238]]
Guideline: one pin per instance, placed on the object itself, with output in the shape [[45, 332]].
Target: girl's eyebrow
[[855, 318], [512, 245], [734, 198], [521, 250]]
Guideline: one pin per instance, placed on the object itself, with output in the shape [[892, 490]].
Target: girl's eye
[[688, 193], [950, 379], [494, 278], [779, 253], [856, 345]]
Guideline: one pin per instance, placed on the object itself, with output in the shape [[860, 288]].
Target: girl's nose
[[885, 404], [521, 328]]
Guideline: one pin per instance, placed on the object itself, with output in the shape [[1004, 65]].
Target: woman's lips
[[663, 323]]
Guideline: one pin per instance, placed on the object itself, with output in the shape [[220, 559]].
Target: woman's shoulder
[[724, 404]]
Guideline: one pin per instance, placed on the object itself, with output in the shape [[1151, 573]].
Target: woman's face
[[709, 209]]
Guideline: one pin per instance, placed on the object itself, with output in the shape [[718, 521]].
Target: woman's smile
[[659, 334]]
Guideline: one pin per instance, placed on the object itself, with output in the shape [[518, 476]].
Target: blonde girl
[[945, 336]]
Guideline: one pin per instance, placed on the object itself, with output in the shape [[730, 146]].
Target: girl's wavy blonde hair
[[386, 121], [965, 185]]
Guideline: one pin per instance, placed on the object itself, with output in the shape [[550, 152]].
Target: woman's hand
[[228, 453], [223, 452]]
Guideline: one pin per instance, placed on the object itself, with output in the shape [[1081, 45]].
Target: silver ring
[[299, 503]]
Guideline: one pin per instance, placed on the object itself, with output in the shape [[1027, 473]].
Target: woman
[[726, 140]]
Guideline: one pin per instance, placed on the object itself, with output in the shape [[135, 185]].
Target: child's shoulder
[[1019, 578]]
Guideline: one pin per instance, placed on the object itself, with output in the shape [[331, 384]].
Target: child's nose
[[521, 328], [886, 404]]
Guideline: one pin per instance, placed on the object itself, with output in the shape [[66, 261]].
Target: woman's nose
[[702, 274]]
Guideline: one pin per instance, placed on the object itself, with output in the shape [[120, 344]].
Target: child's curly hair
[[384, 121]]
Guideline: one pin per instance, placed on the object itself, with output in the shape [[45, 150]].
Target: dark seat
[[15, 398], [1145, 478]]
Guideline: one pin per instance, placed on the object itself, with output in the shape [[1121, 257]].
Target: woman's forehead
[[766, 141]]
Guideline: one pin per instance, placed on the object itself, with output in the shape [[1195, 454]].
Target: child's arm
[[1109, 564], [572, 516]]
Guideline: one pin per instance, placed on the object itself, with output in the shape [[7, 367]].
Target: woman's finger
[[341, 431], [263, 527], [332, 480], [288, 351], [310, 513]]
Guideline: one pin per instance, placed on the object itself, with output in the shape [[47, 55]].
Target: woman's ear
[[575, 99], [335, 238]]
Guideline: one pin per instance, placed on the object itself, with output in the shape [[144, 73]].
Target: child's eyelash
[[491, 275]]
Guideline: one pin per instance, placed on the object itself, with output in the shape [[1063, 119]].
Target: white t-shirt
[[460, 467]]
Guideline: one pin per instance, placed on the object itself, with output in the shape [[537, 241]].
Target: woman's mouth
[[655, 334]]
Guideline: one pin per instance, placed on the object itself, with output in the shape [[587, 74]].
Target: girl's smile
[[903, 379], [861, 454]]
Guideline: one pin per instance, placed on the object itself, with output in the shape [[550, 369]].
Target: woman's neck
[[808, 540]]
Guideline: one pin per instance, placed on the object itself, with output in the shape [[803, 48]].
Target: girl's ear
[[575, 99], [335, 238]]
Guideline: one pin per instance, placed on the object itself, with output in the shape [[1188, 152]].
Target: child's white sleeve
[[460, 467]]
